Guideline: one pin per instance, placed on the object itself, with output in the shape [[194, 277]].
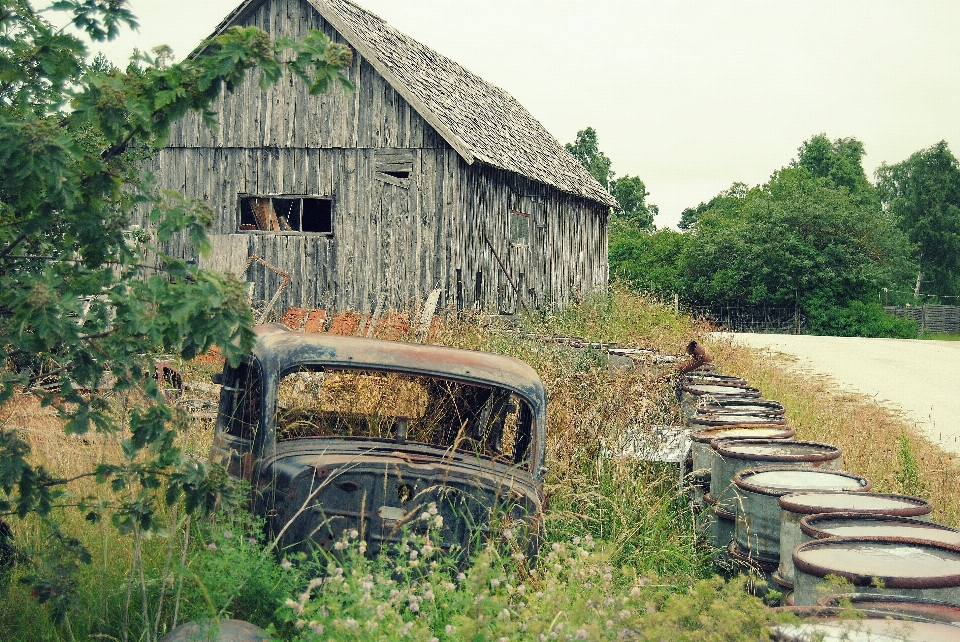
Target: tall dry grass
[[878, 442]]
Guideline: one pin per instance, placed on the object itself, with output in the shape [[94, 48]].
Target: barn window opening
[[290, 214], [519, 228]]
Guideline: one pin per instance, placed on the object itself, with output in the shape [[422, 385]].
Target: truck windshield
[[490, 421]]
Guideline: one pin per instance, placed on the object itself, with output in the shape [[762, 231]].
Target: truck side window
[[244, 388]]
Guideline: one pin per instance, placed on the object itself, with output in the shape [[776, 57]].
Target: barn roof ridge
[[479, 120]]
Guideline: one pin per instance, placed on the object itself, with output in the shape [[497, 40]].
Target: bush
[[859, 319]]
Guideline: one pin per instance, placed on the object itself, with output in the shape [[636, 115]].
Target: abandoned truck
[[339, 433]]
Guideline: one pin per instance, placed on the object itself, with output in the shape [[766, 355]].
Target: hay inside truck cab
[[337, 433]]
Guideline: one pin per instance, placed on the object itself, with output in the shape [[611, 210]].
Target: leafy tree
[[77, 307], [923, 192], [586, 150], [729, 197], [800, 240], [839, 161], [649, 261], [631, 193]]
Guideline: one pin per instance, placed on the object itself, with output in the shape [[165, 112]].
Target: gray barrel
[[712, 378], [891, 605], [733, 455], [703, 453], [757, 529], [765, 406], [827, 525], [720, 523], [901, 566], [735, 418], [720, 391], [795, 507], [834, 624]]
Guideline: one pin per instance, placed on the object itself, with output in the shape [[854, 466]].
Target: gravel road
[[922, 378]]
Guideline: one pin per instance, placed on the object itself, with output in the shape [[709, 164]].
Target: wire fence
[[754, 319]]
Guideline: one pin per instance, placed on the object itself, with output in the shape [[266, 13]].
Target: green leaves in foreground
[[82, 307]]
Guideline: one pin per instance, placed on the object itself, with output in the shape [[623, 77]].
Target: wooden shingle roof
[[481, 121]]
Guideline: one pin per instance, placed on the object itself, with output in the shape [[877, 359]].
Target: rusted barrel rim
[[779, 581], [916, 608], [738, 479], [808, 528], [744, 392], [701, 436], [829, 452], [757, 564], [717, 419], [919, 506], [727, 380], [717, 510], [828, 612], [769, 405], [833, 600], [889, 581]]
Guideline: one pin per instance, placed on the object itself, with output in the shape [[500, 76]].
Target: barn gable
[[479, 120]]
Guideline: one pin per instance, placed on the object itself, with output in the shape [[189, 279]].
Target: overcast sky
[[689, 95]]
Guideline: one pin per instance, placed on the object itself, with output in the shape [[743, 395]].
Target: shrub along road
[[922, 378]]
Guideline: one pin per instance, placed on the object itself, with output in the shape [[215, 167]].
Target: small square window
[[291, 214], [519, 228]]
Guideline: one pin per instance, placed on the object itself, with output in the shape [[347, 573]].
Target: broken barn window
[[394, 166], [291, 214], [519, 227]]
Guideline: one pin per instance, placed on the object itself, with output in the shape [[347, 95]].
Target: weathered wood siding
[[393, 241]]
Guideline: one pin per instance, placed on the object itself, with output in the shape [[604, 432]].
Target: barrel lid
[[714, 389], [872, 627], [817, 502], [898, 562], [823, 525], [781, 480], [728, 418], [740, 405], [776, 450], [890, 605], [711, 377], [742, 432]]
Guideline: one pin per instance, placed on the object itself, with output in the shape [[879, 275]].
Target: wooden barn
[[425, 177]]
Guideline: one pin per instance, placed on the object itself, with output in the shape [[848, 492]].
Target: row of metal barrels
[[785, 509]]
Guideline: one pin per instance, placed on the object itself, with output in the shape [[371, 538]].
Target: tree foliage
[[923, 192], [813, 238], [631, 192], [586, 150], [79, 311]]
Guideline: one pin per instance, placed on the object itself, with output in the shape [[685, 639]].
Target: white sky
[[689, 95]]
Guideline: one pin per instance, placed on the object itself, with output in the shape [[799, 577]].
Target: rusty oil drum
[[757, 528], [705, 419], [885, 565], [733, 455], [913, 607], [794, 507], [703, 453], [719, 524], [750, 406], [834, 624]]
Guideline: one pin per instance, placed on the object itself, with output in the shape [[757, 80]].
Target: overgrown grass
[[620, 556]]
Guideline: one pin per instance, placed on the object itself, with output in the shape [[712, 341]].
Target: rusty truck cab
[[339, 433]]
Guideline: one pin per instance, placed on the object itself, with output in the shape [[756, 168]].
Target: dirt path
[[922, 378]]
